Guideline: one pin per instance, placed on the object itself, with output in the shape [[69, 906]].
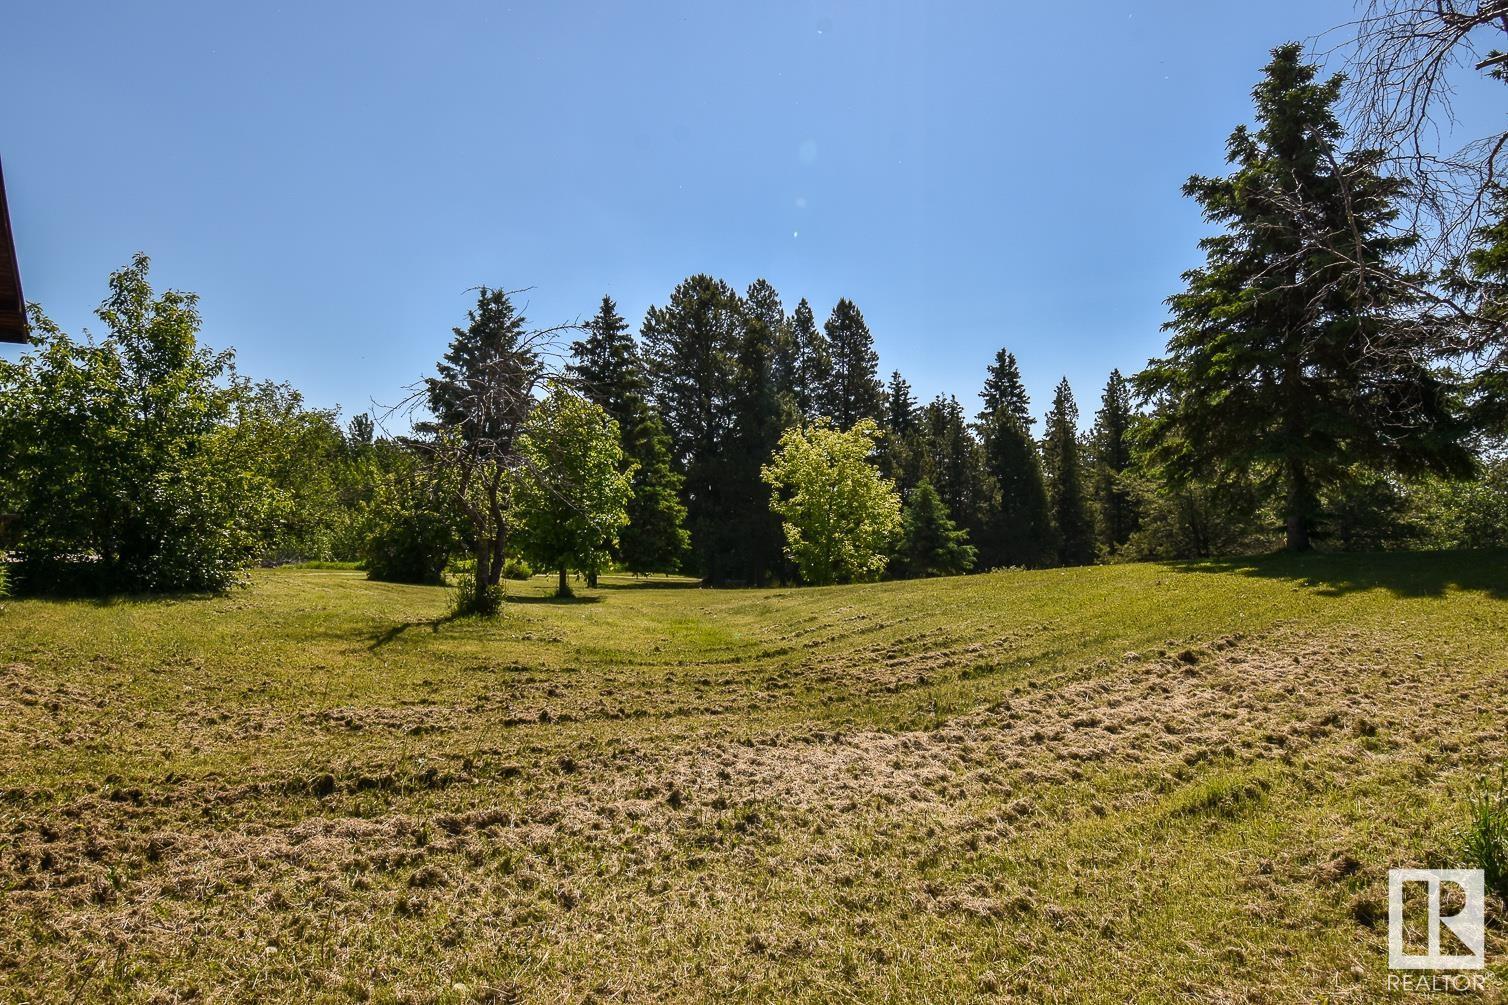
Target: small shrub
[[468, 600], [1485, 838], [516, 568]]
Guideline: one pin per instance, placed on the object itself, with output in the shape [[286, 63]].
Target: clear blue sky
[[332, 177]]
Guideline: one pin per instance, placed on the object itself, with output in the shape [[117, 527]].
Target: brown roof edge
[[12, 302]]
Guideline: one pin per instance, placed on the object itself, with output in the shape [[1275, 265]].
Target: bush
[[411, 535], [467, 600], [1485, 839], [516, 568]]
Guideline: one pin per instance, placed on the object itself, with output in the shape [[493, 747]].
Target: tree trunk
[[1299, 507], [564, 590]]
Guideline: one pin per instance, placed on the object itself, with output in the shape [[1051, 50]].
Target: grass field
[[1131, 783]]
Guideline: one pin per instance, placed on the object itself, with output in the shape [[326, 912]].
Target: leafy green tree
[[1065, 479], [841, 517], [572, 495], [1111, 442], [300, 453], [692, 347], [814, 371], [854, 391], [1296, 349], [118, 456], [931, 545], [480, 399]]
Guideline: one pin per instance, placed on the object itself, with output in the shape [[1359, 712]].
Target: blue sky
[[333, 177]]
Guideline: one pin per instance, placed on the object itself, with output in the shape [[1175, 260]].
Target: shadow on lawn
[[1403, 574]]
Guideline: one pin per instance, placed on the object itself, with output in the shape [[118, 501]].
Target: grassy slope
[[1138, 782]]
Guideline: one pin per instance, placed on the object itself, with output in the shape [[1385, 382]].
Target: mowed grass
[[1140, 783]]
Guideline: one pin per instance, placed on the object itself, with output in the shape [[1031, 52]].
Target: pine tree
[[691, 348], [814, 372], [1004, 393], [932, 545], [1296, 349], [1065, 479], [1112, 458], [854, 392]]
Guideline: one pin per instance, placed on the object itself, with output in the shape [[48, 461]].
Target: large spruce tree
[[1017, 527], [760, 413], [1111, 442], [692, 347], [814, 369], [953, 463], [605, 366], [1065, 479], [931, 545], [1295, 349], [607, 369], [855, 391], [1004, 393]]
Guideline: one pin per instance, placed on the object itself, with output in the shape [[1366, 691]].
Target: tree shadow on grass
[[392, 634], [552, 599], [1403, 574]]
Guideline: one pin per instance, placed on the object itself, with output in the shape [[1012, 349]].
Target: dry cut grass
[[1135, 783]]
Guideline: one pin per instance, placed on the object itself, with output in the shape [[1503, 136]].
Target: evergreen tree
[[1112, 457], [1065, 479], [814, 371], [480, 400], [1296, 349], [656, 539], [762, 305], [953, 462], [605, 365], [900, 406], [609, 372], [931, 544], [692, 347], [854, 391], [759, 417], [901, 455], [1004, 393], [1018, 529]]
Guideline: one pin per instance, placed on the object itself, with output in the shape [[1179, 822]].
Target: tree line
[[1311, 391]]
